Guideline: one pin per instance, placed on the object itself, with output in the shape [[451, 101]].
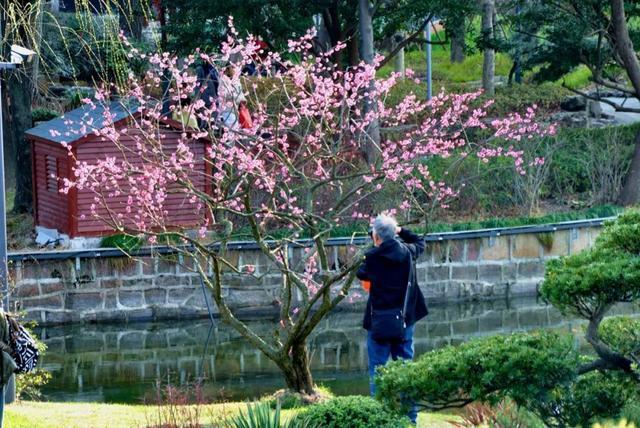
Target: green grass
[[577, 79], [445, 72], [360, 229], [29, 414]]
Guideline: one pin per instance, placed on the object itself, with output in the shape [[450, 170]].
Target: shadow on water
[[121, 363]]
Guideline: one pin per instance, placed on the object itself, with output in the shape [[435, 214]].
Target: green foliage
[[203, 24], [351, 412], [581, 162], [622, 334], [593, 397], [43, 114], [622, 235], [259, 415], [522, 367], [546, 96], [28, 385], [609, 273], [126, 243], [631, 412]]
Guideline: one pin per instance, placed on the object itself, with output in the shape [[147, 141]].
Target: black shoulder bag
[[389, 325]]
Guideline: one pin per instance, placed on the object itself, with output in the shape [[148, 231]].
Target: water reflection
[[121, 363]]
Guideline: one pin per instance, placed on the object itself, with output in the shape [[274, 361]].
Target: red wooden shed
[[71, 213]]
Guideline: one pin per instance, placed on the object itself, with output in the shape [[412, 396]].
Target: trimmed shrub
[[351, 412], [127, 243], [43, 114]]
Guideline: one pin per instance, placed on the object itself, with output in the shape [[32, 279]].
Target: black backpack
[[23, 347]]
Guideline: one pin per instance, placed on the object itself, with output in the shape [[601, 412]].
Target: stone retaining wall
[[125, 289]]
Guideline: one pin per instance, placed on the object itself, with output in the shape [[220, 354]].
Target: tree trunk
[[631, 189], [398, 60], [19, 120], [131, 18], [296, 370], [630, 193], [372, 136], [458, 43], [489, 64], [623, 45]]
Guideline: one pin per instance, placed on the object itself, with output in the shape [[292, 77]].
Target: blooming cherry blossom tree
[[299, 170]]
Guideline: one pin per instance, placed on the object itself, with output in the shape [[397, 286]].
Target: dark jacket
[[387, 267]]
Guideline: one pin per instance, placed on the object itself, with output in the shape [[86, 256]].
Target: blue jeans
[[379, 353]]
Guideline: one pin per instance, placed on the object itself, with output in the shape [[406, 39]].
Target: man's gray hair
[[385, 227]]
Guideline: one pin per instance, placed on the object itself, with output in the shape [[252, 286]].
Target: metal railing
[[354, 240]]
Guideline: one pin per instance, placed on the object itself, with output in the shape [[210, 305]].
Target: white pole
[[427, 34]]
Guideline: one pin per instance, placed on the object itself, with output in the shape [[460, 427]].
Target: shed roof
[[85, 120]]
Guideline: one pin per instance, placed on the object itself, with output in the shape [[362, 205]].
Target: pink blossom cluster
[[300, 165]]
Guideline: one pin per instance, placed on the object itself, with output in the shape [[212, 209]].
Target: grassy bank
[[29, 414]]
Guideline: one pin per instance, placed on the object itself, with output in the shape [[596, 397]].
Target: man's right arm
[[363, 272], [415, 242]]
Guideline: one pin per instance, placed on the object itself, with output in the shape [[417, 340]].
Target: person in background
[[387, 267], [184, 114], [230, 96]]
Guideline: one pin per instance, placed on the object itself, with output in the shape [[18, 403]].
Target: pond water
[[124, 363]]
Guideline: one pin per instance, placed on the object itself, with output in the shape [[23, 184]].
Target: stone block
[[137, 282], [434, 292], [239, 298], [438, 329], [560, 246], [498, 291], [465, 327], [471, 290], [155, 340], [440, 252], [496, 248], [110, 299], [110, 283], [140, 315], [131, 340], [467, 272], [525, 246], [528, 270], [452, 290], [491, 273], [509, 272], [109, 267], [148, 265], [197, 300], [490, 321], [131, 298], [456, 251], [167, 264], [555, 317], [170, 281], [50, 287], [438, 273], [510, 320], [580, 239], [155, 296], [473, 249], [421, 272], [524, 288], [78, 301], [534, 317], [87, 269], [55, 317], [27, 290], [178, 296]]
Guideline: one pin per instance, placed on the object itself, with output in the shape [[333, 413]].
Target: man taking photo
[[395, 301]]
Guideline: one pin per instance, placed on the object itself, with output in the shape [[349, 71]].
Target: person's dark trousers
[[379, 353]]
